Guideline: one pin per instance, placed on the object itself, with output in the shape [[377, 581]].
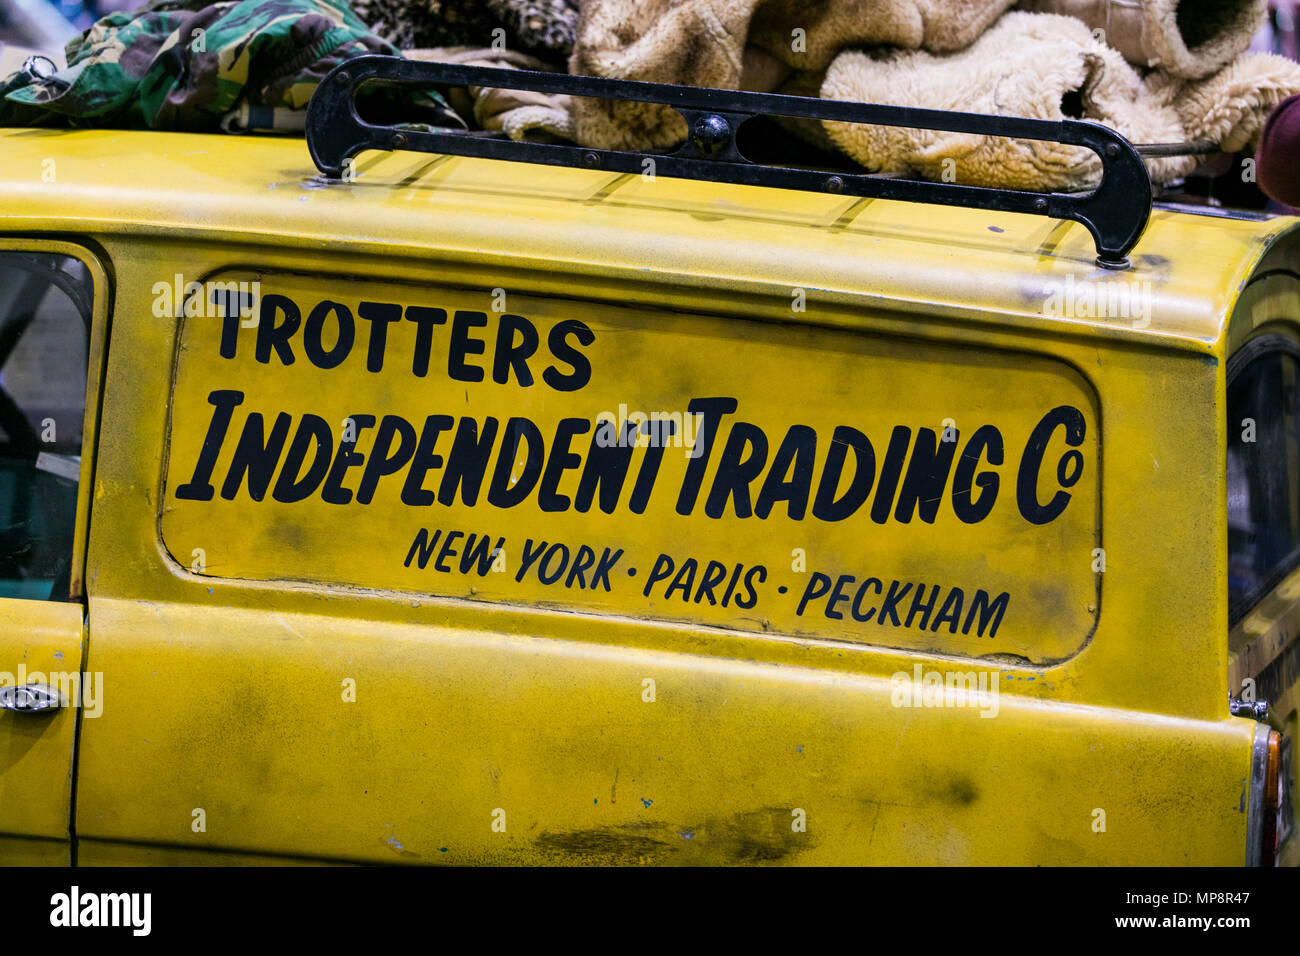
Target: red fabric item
[[1277, 161]]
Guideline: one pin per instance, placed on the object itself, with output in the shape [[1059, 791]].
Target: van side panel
[[358, 723]]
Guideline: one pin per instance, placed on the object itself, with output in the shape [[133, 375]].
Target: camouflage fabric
[[183, 64]]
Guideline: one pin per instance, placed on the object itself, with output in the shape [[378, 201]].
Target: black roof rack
[[1115, 213]]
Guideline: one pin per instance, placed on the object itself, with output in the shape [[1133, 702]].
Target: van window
[[45, 311], [1263, 470]]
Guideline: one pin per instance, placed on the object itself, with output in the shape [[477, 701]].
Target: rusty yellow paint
[[508, 727], [26, 851], [97, 853], [37, 639]]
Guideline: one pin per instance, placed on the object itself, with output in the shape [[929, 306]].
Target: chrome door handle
[[28, 699]]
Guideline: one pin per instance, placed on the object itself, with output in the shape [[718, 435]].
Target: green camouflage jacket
[[184, 64]]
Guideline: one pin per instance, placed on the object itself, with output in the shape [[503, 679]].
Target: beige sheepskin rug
[[1071, 75], [740, 44], [1158, 71]]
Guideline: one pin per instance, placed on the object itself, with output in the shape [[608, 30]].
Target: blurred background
[[1278, 35], [45, 26]]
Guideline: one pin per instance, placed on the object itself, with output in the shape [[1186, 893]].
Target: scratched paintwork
[[225, 693], [37, 638]]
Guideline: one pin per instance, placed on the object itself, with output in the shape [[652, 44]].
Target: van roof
[[955, 263]]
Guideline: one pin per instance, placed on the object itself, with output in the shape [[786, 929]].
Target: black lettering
[[313, 335], [924, 609], [646, 475], [270, 335], [462, 345], [529, 558], [606, 470], [467, 461], [229, 325], [547, 577], [290, 487], [818, 584], [855, 610], [423, 547], [603, 567], [256, 457], [751, 594], [950, 613], [712, 409], [986, 611], [480, 552], [1027, 479], [501, 493], [380, 315], [684, 579], [825, 506], [797, 454], [838, 596], [423, 461], [384, 460], [584, 559], [927, 477], [986, 438], [425, 319], [663, 567], [557, 340], [510, 355], [890, 606], [447, 551], [714, 574], [659, 430], [890, 469], [560, 461], [731, 585], [333, 492], [741, 462], [199, 487]]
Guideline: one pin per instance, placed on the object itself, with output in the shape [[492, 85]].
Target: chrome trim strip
[[1254, 816]]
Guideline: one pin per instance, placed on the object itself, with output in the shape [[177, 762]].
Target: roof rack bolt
[[590, 160], [399, 140], [711, 134], [1257, 709], [1112, 150], [834, 185], [1040, 205], [343, 79]]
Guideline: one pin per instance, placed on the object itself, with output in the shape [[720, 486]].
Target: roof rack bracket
[[1115, 213]]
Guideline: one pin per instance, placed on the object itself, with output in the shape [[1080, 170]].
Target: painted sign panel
[[720, 471]]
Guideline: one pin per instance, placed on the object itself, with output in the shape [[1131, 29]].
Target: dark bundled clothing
[[542, 28], [1277, 161]]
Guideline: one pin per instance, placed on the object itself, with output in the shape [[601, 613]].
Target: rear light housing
[[1271, 819]]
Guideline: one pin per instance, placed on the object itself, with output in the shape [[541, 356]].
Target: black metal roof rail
[[1115, 213]]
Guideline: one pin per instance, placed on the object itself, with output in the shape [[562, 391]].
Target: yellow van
[[467, 510]]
